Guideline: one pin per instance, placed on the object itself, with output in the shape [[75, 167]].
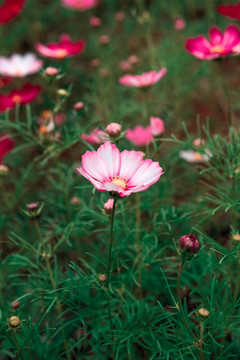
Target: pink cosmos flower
[[143, 80], [23, 96], [231, 11], [193, 156], [6, 145], [95, 21], [10, 9], [96, 137], [179, 24], [19, 65], [4, 81], [65, 48], [141, 136], [125, 173], [218, 46], [79, 5]]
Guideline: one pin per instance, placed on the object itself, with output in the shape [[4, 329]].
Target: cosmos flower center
[[119, 182], [217, 49], [61, 53], [17, 99]]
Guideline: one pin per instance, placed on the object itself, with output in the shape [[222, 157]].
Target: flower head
[[143, 80], [142, 136], [189, 243], [179, 24], [23, 96], [192, 156], [63, 49], [10, 9], [218, 46], [6, 145], [96, 137], [19, 65], [231, 11], [114, 129], [79, 5], [124, 173], [95, 21]]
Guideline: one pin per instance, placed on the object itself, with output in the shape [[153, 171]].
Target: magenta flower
[[143, 80], [65, 48], [96, 137], [6, 145], [218, 46], [79, 5], [23, 96], [19, 65], [231, 11], [125, 173], [141, 136], [10, 9]]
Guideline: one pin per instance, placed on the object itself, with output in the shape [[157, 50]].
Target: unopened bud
[[108, 206], [189, 244], [75, 200], [78, 106], [3, 169], [62, 92], [95, 63], [95, 21], [204, 313], [15, 304], [14, 321], [119, 16], [51, 71], [102, 277], [104, 72], [33, 209], [236, 237], [33, 206], [114, 129], [104, 39]]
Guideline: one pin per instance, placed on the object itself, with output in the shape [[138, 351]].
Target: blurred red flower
[[23, 96], [10, 9], [231, 11], [6, 145]]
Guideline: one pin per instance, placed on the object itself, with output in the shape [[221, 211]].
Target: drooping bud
[[51, 71], [78, 106], [14, 321], [108, 206], [204, 313], [15, 304], [114, 129], [189, 245]]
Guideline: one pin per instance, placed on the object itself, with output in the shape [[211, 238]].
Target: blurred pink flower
[[125, 65], [78, 106], [133, 59], [19, 65], [23, 96], [95, 137], [95, 62], [119, 16], [95, 21], [114, 129], [193, 156], [179, 24], [10, 9], [104, 39], [6, 145], [218, 46], [143, 80], [51, 71], [5, 81], [46, 121], [125, 173], [79, 5], [142, 136], [231, 11], [157, 126], [65, 48], [108, 206]]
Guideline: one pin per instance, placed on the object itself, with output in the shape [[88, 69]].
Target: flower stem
[[138, 245], [201, 340], [110, 244], [180, 308], [18, 353]]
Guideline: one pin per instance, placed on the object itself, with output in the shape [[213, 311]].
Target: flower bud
[[119, 16], [95, 21], [95, 63], [75, 200], [102, 277], [62, 92], [108, 206], [14, 321], [236, 237], [204, 313], [33, 209], [104, 72], [114, 129], [133, 59], [189, 244], [15, 304], [33, 206], [3, 169], [78, 106], [104, 39], [51, 71]]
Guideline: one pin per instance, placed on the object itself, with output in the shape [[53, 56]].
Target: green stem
[[201, 340], [29, 116], [151, 48], [16, 342], [138, 244], [17, 113], [180, 308], [110, 244]]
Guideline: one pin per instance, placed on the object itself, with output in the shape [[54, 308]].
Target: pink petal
[[147, 174], [199, 47], [215, 36], [130, 160], [95, 166], [231, 38], [96, 183], [111, 155]]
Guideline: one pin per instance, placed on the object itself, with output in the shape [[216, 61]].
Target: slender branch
[[201, 340], [138, 245], [110, 244]]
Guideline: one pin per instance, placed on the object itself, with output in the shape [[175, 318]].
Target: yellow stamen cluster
[[119, 182], [217, 49]]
